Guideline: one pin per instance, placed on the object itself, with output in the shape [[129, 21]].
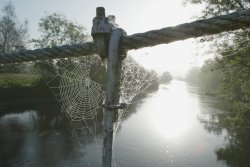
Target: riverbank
[[29, 91], [19, 91]]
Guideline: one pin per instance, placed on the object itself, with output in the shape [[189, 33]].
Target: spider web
[[72, 84], [80, 95], [135, 79], [76, 85]]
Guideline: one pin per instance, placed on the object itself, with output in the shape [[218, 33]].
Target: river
[[169, 127]]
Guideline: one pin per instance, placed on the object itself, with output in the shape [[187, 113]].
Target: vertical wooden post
[[112, 96], [101, 33], [106, 36]]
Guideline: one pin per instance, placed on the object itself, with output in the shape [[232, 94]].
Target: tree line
[[55, 30], [228, 75]]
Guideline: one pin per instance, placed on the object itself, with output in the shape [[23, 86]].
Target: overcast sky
[[134, 16]]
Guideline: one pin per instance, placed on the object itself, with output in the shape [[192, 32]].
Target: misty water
[[168, 127]]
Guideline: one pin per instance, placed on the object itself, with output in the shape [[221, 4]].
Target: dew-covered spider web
[[135, 79], [74, 85], [79, 86], [80, 95]]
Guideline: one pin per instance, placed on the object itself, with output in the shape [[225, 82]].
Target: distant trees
[[206, 77], [232, 54], [193, 75], [211, 77], [13, 35], [165, 77], [233, 63], [232, 51], [57, 30]]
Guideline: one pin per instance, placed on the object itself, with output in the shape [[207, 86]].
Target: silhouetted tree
[[13, 35]]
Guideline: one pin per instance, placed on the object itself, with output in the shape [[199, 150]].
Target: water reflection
[[42, 138], [165, 131], [173, 119], [236, 151], [162, 130]]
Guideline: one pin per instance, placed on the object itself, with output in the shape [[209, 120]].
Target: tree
[[206, 77], [232, 55], [219, 7], [210, 77], [233, 59], [193, 75], [57, 30], [165, 77], [13, 35]]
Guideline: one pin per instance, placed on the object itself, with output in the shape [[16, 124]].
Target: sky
[[134, 16]]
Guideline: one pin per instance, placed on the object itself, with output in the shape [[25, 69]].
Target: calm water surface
[[171, 127]]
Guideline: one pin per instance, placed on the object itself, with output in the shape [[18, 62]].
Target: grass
[[23, 89], [18, 80]]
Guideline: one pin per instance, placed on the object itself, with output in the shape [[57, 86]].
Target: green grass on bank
[[8, 80], [23, 90]]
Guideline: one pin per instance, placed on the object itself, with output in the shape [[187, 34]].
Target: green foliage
[[206, 77], [210, 77], [236, 152], [233, 61], [235, 64], [219, 7], [57, 30]]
